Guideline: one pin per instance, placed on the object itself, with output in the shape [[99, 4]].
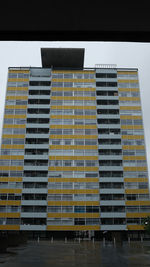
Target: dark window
[[37, 141], [35, 173], [106, 75], [107, 102], [106, 93], [110, 152], [39, 101], [37, 130], [38, 111], [108, 121], [111, 174], [79, 221], [38, 120], [39, 83], [36, 151], [39, 92], [106, 84]]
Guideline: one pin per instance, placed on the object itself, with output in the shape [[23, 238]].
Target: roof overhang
[[62, 58]]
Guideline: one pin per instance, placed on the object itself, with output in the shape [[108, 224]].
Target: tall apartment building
[[73, 152]]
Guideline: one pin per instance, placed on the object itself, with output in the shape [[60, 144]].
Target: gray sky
[[125, 55]]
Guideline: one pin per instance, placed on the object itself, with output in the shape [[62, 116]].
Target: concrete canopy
[[62, 58]]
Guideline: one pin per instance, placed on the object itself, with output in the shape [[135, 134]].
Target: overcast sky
[[125, 55]]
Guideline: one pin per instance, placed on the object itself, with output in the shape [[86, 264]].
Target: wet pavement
[[75, 254]]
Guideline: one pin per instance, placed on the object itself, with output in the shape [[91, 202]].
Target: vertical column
[[12, 148], [112, 204], [34, 193], [134, 155], [73, 189]]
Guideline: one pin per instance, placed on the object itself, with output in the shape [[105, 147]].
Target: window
[[7, 131], [68, 93], [6, 141], [57, 75], [16, 162], [57, 84], [89, 75], [106, 84], [68, 84], [68, 76], [39, 83], [19, 121], [12, 75], [57, 93], [78, 75], [19, 131], [106, 75], [79, 163], [4, 162], [18, 141], [20, 111], [11, 84], [79, 209], [21, 102]]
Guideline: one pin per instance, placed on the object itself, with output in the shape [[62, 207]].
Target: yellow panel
[[72, 117], [74, 80], [87, 89], [17, 88], [15, 107], [74, 180], [11, 157], [18, 80], [127, 81], [74, 71], [127, 72], [10, 191], [130, 169], [10, 116], [73, 98], [134, 158], [132, 137], [72, 147], [72, 227], [72, 157], [13, 136], [131, 127], [128, 89], [22, 126], [12, 168], [138, 203], [137, 214], [10, 202], [126, 117], [73, 107], [72, 191], [135, 227], [11, 179], [9, 227], [136, 191], [133, 147], [12, 147], [73, 203], [129, 98], [17, 97], [9, 215], [67, 136], [18, 71], [130, 107], [73, 126], [132, 180], [94, 169], [73, 215]]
